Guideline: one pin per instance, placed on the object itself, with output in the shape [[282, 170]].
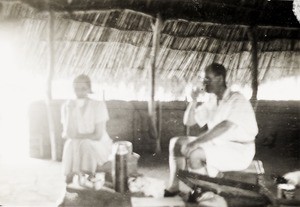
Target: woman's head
[[82, 86]]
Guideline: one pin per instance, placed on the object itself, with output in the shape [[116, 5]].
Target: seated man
[[228, 142]]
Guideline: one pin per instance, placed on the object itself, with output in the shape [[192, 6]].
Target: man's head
[[82, 86], [215, 78]]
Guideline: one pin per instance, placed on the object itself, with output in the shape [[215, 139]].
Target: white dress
[[235, 149], [84, 155]]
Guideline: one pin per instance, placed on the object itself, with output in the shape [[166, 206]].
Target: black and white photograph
[[150, 103]]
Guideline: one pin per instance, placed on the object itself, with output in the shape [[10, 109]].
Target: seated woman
[[84, 126]]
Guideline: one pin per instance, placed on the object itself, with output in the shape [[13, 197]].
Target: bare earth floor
[[35, 182]]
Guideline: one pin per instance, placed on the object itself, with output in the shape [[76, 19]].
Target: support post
[[49, 86], [186, 128], [156, 27], [254, 58]]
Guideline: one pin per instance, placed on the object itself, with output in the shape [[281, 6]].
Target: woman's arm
[[96, 135], [68, 125]]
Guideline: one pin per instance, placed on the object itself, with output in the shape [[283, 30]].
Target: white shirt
[[234, 108], [84, 115]]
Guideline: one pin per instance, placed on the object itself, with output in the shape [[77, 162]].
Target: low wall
[[279, 128], [278, 123]]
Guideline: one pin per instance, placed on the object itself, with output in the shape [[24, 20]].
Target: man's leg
[[176, 161], [197, 161]]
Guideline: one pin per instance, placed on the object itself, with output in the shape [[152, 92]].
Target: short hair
[[217, 69], [83, 79]]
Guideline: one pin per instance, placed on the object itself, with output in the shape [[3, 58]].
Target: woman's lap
[[94, 152]]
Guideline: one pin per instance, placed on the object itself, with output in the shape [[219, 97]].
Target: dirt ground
[[35, 182]]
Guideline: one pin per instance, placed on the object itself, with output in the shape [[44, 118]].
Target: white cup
[[99, 180]]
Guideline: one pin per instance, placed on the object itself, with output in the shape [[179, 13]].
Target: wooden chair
[[239, 188], [249, 175]]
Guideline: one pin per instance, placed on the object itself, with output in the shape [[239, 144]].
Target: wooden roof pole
[[156, 27], [50, 70], [252, 33]]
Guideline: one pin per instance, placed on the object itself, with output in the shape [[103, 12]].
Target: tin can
[[99, 180], [286, 191]]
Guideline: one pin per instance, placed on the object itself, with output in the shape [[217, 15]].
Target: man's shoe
[[195, 194], [171, 194]]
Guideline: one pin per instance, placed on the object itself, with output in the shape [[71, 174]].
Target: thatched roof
[[255, 12], [112, 42]]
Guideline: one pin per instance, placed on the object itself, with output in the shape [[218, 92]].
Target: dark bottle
[[120, 169]]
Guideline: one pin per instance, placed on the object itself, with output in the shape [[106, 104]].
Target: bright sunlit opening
[[283, 89], [18, 89], [17, 94], [245, 90]]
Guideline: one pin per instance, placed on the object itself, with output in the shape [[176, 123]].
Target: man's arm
[[215, 132], [203, 130], [189, 114]]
